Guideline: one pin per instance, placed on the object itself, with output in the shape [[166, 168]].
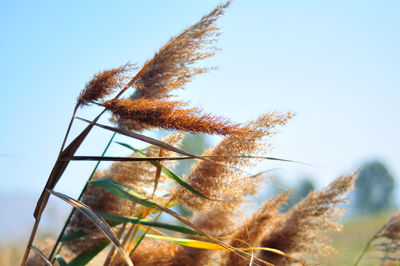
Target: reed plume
[[390, 232], [389, 244], [174, 65], [217, 188], [217, 181], [155, 252], [103, 84], [391, 229], [146, 114], [252, 231], [297, 231]]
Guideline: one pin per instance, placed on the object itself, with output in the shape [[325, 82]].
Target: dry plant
[[120, 206], [386, 241]]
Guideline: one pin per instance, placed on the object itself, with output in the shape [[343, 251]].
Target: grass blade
[[188, 242], [41, 255], [61, 260], [193, 243], [88, 255], [124, 192], [147, 139], [173, 158], [129, 194], [96, 220], [61, 165], [134, 220], [125, 159], [72, 236]]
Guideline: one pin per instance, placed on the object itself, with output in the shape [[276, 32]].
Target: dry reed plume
[[104, 84], [386, 241], [297, 231], [146, 114], [132, 193]]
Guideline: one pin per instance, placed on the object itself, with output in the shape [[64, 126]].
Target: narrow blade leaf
[[72, 236], [208, 245], [124, 192], [41, 255], [61, 260], [96, 220], [144, 138], [60, 166], [86, 256], [134, 220], [188, 242], [125, 159], [129, 194]]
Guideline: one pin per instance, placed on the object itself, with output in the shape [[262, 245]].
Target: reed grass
[[120, 206]]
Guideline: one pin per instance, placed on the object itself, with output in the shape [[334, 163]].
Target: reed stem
[[80, 196]]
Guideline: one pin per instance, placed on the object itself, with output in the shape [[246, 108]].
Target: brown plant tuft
[[103, 84], [153, 252], [391, 229], [252, 232], [390, 244], [218, 181], [145, 114], [297, 230], [173, 63]]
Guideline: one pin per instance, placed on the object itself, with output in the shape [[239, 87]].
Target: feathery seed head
[[391, 229], [173, 65], [144, 114], [221, 182], [103, 84], [252, 232], [297, 230]]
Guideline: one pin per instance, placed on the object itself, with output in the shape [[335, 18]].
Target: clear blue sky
[[334, 63]]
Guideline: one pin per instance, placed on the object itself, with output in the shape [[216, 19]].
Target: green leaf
[[124, 192], [167, 172], [61, 260], [88, 255], [129, 194], [72, 236], [134, 220]]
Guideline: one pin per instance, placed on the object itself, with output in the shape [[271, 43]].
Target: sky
[[335, 64]]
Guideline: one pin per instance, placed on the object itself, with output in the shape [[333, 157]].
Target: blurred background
[[335, 64]]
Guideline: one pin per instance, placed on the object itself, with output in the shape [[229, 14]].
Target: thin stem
[[68, 130], [80, 196], [46, 195], [366, 248]]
